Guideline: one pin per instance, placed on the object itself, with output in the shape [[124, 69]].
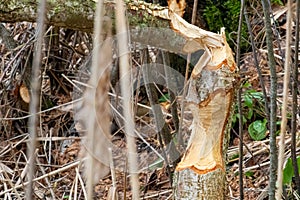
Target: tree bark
[[190, 185], [273, 100], [75, 14], [145, 26]]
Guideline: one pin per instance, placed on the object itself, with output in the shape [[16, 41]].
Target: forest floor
[[60, 134]]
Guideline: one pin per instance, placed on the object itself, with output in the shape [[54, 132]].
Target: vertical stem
[[239, 96], [194, 11], [261, 80], [185, 88], [35, 100], [122, 36], [90, 172], [285, 99], [273, 96], [295, 101], [171, 84]]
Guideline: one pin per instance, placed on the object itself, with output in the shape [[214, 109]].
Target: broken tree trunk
[[201, 172]]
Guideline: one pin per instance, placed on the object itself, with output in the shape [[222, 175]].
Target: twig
[[64, 76], [273, 97], [76, 186], [74, 164], [157, 194], [50, 145], [276, 33], [241, 150], [113, 191], [34, 103], [64, 107], [163, 133], [71, 190], [81, 183], [46, 178], [171, 81], [255, 166], [98, 23], [137, 133], [239, 98], [5, 176], [254, 49]]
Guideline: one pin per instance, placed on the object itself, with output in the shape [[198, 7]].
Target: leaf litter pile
[[64, 76]]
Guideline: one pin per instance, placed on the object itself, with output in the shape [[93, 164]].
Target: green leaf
[[234, 156], [288, 171], [258, 129], [247, 85], [164, 98], [250, 114], [249, 173], [234, 118], [257, 95], [244, 119], [248, 101], [279, 2], [156, 164]]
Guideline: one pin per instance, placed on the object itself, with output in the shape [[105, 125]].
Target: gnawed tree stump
[[201, 172]]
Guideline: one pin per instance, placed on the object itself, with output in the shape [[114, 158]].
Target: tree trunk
[[201, 172], [190, 185], [76, 14]]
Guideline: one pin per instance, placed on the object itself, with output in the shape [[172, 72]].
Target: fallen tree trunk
[[75, 14], [147, 26]]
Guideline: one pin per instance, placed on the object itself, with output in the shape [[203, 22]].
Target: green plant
[[253, 115], [225, 13], [288, 171], [252, 105], [278, 2], [257, 129], [164, 98], [249, 174]]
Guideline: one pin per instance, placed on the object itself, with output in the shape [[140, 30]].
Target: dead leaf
[[24, 93]]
